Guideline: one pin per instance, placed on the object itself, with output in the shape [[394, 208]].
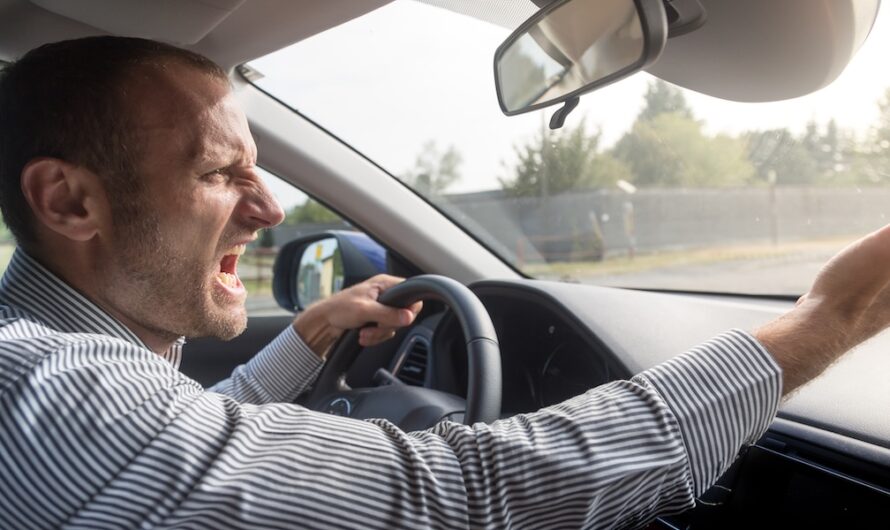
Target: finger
[[385, 316], [374, 336], [382, 282]]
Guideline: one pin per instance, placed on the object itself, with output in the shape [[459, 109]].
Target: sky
[[388, 86]]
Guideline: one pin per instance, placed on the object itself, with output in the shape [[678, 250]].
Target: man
[[127, 176]]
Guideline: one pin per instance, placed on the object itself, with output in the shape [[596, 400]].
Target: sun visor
[[767, 50], [183, 22]]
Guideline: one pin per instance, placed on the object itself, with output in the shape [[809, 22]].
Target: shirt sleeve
[[277, 374], [149, 447]]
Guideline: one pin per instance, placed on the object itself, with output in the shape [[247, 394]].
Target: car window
[[303, 216], [648, 184]]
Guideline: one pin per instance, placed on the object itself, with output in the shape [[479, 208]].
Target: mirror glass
[[321, 271], [578, 43]]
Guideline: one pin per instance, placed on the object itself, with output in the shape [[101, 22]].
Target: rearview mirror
[[573, 46]]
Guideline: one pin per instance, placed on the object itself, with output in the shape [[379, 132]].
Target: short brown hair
[[67, 100]]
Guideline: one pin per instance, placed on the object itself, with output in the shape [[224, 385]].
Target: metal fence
[[585, 225]]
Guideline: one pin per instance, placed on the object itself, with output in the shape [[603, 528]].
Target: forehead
[[186, 115]]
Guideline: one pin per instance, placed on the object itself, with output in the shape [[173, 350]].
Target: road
[[786, 274]]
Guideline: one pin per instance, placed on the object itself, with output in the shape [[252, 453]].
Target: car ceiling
[[246, 30], [762, 50]]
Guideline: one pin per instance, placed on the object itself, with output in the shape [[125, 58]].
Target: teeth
[[229, 280], [237, 250]]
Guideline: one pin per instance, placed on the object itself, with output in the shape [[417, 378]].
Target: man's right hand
[[848, 303], [322, 323]]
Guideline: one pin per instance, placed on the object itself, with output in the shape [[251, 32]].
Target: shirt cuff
[[724, 391], [286, 365]]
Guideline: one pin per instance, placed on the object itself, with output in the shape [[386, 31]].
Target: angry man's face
[[173, 270]]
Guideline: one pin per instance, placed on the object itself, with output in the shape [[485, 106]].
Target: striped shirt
[[97, 431]]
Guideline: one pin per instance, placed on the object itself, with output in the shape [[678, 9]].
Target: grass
[[678, 258]]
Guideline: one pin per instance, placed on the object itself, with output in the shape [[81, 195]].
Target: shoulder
[[34, 356]]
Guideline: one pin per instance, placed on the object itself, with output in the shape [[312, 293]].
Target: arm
[[153, 442], [277, 374], [285, 367], [848, 303]]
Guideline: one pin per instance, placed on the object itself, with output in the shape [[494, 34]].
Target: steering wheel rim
[[483, 402]]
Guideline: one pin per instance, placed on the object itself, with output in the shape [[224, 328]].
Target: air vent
[[412, 369]]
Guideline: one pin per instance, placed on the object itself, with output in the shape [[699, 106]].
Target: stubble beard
[[166, 291]]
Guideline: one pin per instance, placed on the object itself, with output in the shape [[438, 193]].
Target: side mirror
[[574, 46], [314, 267]]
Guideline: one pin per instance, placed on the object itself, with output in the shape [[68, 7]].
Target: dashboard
[[817, 466], [546, 357]]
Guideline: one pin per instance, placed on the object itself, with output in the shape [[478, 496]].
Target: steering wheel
[[412, 407]]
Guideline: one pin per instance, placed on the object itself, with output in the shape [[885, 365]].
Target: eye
[[216, 176]]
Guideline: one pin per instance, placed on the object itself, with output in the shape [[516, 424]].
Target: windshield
[[647, 185]]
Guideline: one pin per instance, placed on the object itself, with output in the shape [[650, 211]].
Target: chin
[[230, 334], [218, 321], [231, 327]]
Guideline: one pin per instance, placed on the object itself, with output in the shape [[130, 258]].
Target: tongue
[[227, 264]]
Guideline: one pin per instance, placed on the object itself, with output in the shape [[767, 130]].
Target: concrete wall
[[563, 226]]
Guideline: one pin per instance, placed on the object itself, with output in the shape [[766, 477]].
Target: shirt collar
[[30, 286]]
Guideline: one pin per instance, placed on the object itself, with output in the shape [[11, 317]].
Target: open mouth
[[228, 267]]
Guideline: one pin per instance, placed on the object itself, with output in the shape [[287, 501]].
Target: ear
[[65, 198]]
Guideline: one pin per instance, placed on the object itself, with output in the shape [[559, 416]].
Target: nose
[[259, 207]]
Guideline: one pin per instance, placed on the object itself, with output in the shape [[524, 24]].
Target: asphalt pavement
[[790, 274]]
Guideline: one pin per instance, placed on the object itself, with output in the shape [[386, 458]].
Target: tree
[[670, 149], [664, 98], [826, 149], [877, 150], [310, 212], [555, 162], [777, 152], [434, 170]]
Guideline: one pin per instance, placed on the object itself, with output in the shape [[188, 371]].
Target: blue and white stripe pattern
[[96, 431]]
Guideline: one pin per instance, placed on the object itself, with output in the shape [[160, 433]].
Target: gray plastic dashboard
[[642, 329]]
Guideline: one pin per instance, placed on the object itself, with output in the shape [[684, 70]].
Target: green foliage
[[663, 98], [266, 239], [825, 149], [670, 149], [820, 156], [568, 159], [310, 212], [434, 170], [876, 155], [667, 147], [776, 154], [5, 234]]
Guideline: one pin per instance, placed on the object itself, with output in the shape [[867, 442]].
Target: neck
[[85, 276]]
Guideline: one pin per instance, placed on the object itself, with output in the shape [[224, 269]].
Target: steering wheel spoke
[[412, 407]]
